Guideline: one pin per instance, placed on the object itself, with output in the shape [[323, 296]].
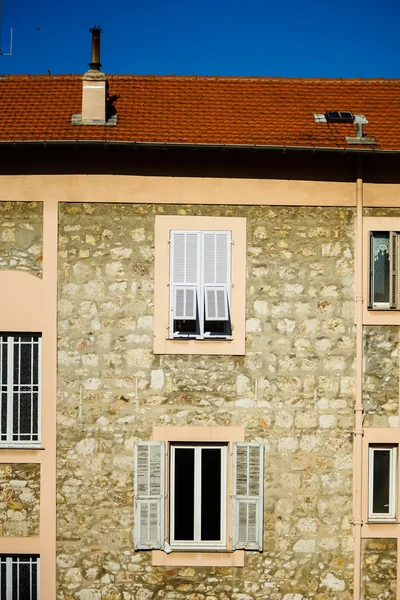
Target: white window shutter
[[185, 257], [217, 257], [371, 271], [149, 495], [216, 303], [248, 492], [393, 282], [184, 303]]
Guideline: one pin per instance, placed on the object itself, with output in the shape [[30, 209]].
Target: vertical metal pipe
[[358, 408]]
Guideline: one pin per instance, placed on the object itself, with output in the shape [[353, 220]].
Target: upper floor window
[[200, 284], [383, 270], [19, 577], [20, 368], [382, 497]]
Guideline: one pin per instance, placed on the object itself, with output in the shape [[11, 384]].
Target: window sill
[[198, 559], [19, 447], [382, 521], [205, 338]]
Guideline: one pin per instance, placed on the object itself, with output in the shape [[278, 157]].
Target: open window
[[188, 509], [200, 284], [20, 370], [383, 292], [382, 488], [19, 577]]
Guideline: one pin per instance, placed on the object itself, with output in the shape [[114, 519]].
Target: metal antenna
[[11, 34]]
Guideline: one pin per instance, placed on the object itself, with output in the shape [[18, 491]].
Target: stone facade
[[293, 391], [379, 569], [19, 500], [21, 236]]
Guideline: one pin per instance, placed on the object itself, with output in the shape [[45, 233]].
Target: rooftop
[[203, 110]]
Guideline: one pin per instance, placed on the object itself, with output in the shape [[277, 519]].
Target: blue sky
[[307, 38]]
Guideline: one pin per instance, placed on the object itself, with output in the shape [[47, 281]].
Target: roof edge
[[254, 147]]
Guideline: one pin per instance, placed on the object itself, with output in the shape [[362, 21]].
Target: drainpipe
[[358, 408]]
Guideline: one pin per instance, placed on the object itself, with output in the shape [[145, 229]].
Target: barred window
[[20, 367], [19, 577]]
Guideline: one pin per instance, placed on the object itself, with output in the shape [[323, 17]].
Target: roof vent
[[339, 116]]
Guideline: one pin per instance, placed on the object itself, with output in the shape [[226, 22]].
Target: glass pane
[[381, 487], [3, 362], [381, 267], [3, 413], [25, 581], [184, 494], [3, 579], [210, 494], [26, 364]]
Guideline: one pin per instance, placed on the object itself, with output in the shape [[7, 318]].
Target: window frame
[[8, 563], [197, 544], [378, 315], [163, 343], [391, 516], [9, 389], [392, 302]]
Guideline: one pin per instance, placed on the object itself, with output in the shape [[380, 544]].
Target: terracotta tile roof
[[203, 110]]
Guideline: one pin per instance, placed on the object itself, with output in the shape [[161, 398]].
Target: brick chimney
[[94, 86]]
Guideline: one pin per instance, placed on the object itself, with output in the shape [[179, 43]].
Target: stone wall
[[381, 376], [293, 391], [21, 236], [19, 500], [379, 569]]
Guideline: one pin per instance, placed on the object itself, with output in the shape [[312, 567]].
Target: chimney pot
[[96, 33]]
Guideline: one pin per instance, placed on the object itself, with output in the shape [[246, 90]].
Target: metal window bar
[[17, 582], [20, 389]]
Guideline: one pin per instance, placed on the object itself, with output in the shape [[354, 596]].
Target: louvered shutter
[[371, 271], [216, 303], [149, 495], [393, 283], [248, 488], [185, 273], [216, 272]]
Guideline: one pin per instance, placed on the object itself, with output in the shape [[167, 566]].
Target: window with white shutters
[[200, 284], [19, 577], [248, 485], [383, 292], [20, 375], [149, 495], [197, 500]]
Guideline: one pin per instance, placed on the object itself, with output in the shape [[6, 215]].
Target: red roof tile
[[203, 110]]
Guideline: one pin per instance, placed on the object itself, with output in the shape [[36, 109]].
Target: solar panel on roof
[[339, 116]]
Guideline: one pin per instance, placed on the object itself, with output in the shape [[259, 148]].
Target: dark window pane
[[3, 362], [3, 417], [35, 364], [24, 580], [381, 267], [381, 488], [186, 326], [25, 414], [3, 578], [210, 494], [184, 494], [26, 364]]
